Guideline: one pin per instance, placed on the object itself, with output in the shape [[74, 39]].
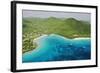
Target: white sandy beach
[[81, 38], [36, 40]]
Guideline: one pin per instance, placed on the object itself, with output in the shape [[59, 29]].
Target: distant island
[[68, 27]]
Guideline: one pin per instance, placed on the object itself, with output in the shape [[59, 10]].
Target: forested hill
[[67, 27]]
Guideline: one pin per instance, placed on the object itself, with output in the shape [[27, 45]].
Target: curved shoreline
[[58, 48], [45, 35], [38, 38]]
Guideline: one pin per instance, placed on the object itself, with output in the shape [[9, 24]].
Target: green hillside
[[35, 27]]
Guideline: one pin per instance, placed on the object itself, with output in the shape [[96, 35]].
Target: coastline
[[39, 38], [36, 40], [81, 38]]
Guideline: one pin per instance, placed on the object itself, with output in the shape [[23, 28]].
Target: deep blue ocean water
[[57, 48]]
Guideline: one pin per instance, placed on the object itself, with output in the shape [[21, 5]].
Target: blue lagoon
[[54, 47]]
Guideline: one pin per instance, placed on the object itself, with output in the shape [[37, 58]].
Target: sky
[[46, 14]]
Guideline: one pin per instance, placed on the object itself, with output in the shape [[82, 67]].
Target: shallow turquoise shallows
[[54, 47]]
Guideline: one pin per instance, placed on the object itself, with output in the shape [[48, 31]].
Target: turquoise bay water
[[57, 48]]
